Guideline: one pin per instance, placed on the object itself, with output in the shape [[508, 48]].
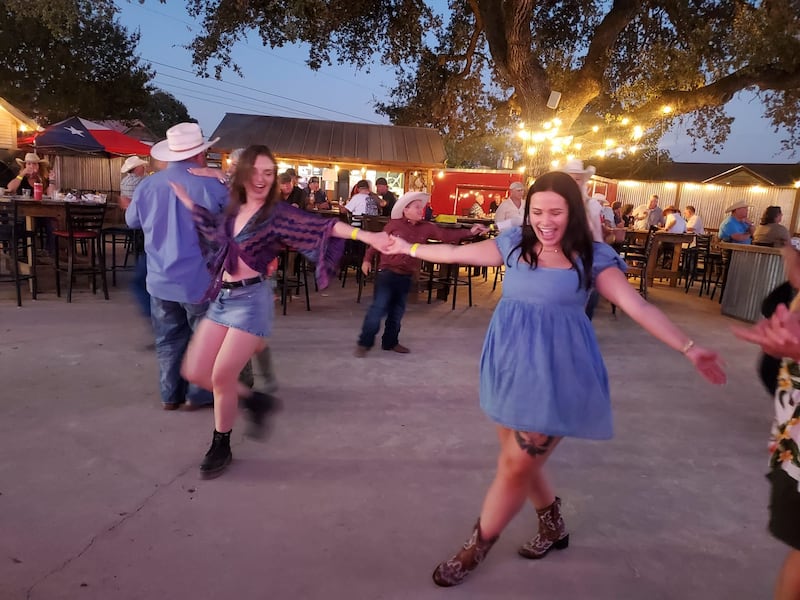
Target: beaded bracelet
[[413, 250]]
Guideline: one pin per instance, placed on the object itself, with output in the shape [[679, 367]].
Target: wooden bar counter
[[754, 271]]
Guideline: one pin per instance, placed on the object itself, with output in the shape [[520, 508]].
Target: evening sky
[[277, 82]]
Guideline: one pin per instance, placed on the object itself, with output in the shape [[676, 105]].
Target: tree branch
[[720, 91], [599, 54]]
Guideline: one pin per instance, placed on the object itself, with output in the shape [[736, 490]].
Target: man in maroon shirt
[[396, 271]]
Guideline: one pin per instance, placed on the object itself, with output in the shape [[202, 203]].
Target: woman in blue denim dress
[[542, 377]]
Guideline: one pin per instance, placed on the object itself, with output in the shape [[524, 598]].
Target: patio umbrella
[[79, 135]]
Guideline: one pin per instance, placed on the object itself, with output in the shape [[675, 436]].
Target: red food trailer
[[454, 191]]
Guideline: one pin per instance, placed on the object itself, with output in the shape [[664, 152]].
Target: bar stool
[[131, 241], [17, 244], [286, 280], [450, 279], [84, 225]]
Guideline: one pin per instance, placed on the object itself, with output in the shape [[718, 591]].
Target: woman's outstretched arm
[[479, 254], [613, 285]]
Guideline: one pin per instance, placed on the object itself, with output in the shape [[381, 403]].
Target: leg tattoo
[[535, 444]]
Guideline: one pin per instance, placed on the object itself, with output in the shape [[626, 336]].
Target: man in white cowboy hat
[[134, 170], [177, 277], [397, 271], [574, 168], [511, 210], [30, 173], [736, 228], [648, 215]]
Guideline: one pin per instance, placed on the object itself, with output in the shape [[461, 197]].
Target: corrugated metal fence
[[88, 173], [711, 200]]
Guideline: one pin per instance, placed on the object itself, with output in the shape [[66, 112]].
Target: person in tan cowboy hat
[[736, 228], [31, 172], [134, 170]]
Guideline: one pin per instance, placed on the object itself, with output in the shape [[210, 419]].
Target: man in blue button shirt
[[736, 229], [177, 277]]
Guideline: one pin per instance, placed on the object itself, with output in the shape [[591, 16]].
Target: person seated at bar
[[770, 232], [694, 224], [736, 228], [363, 202], [476, 210], [315, 197], [627, 215], [647, 216], [673, 222]]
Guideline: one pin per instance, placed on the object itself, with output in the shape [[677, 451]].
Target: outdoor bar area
[[339, 153], [738, 276]]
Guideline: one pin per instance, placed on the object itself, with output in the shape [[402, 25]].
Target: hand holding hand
[[378, 240], [397, 245], [478, 229], [707, 363]]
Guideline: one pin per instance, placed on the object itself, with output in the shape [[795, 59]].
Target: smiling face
[[549, 215], [414, 211], [262, 176]]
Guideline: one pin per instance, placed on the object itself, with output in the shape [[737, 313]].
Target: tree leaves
[[54, 68]]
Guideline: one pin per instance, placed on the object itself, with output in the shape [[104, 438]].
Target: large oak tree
[[472, 67]]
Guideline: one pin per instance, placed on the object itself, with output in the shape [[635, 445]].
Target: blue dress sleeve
[[604, 258], [507, 241]]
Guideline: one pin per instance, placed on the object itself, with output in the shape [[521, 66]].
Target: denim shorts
[[249, 308]]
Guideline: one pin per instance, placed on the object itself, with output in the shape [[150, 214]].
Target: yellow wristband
[[412, 252], [20, 177], [688, 346], [354, 234]]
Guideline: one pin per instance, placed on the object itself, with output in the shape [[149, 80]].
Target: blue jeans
[[138, 285], [173, 324], [391, 292]]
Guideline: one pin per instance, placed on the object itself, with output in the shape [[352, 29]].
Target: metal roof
[[733, 173], [333, 141]]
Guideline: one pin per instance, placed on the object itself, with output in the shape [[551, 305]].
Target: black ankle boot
[[218, 456], [258, 406]]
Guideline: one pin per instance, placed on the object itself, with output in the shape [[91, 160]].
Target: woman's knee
[[191, 373]]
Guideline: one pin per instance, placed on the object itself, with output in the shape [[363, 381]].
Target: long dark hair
[[770, 215], [243, 173], [577, 237]]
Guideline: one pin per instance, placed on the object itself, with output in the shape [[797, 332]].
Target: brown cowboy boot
[[552, 532], [453, 571]]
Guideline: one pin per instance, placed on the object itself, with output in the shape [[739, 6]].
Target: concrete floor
[[375, 469]]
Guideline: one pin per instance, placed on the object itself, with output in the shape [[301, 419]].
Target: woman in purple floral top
[[238, 245]]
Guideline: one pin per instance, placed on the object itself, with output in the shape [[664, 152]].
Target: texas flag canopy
[[80, 135]]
